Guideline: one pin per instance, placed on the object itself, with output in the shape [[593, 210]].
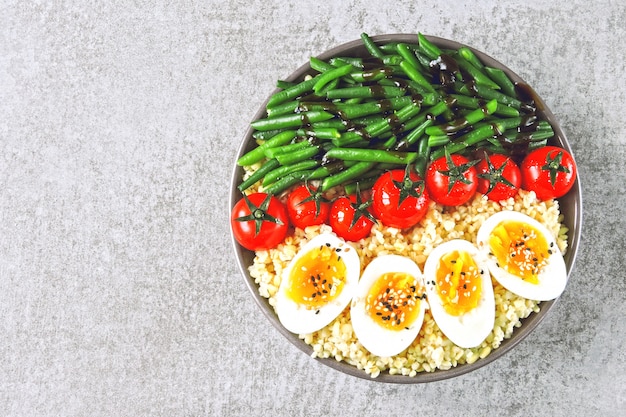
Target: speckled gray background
[[119, 293]]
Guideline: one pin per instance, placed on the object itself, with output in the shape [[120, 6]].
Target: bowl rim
[[572, 203]]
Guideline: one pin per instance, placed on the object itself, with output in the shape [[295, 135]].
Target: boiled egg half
[[318, 284], [388, 308], [460, 293], [523, 255]]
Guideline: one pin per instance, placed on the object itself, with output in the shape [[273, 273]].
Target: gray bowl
[[570, 205]]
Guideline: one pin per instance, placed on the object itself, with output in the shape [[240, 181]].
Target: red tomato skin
[[385, 196], [537, 179], [437, 183], [303, 215], [511, 172], [340, 218], [270, 235]]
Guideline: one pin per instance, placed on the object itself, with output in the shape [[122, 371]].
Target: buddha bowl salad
[[402, 207]]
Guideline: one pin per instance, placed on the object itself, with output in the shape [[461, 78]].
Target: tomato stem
[[258, 214]]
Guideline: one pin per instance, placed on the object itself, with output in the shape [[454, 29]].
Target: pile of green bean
[[407, 103]]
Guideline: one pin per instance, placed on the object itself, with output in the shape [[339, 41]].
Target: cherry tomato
[[350, 218], [451, 180], [499, 177], [549, 171], [306, 207], [399, 198], [259, 221]]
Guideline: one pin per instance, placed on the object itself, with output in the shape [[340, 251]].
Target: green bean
[[297, 156], [371, 47], [535, 144], [415, 75], [366, 92], [489, 94], [291, 147], [284, 84], [437, 140], [331, 75], [469, 119], [287, 181], [291, 92], [258, 153], [427, 120], [291, 120], [428, 48], [261, 136], [387, 123], [348, 174], [258, 174], [319, 65], [503, 80], [474, 102], [285, 108], [370, 75], [326, 170], [423, 152], [355, 111], [340, 61], [478, 76], [513, 135], [372, 155], [408, 54], [319, 132], [469, 56], [282, 171], [455, 147]]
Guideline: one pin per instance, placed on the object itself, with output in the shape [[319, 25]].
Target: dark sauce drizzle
[[445, 72]]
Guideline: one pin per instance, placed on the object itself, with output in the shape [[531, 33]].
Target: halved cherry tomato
[[451, 180], [549, 171], [399, 198], [499, 177], [307, 207], [259, 221], [350, 217]]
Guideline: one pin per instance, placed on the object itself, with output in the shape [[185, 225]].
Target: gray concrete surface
[[119, 293]]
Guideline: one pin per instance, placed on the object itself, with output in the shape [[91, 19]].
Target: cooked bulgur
[[431, 350]]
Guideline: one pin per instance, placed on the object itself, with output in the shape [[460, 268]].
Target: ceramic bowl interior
[[570, 205]]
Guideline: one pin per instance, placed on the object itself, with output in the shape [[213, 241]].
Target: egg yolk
[[394, 300], [317, 277], [458, 282], [519, 249]]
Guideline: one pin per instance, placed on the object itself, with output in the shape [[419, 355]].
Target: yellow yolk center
[[458, 282], [519, 249], [394, 300], [317, 277]]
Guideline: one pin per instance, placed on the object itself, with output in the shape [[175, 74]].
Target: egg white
[[472, 328], [552, 278], [299, 319], [375, 338]]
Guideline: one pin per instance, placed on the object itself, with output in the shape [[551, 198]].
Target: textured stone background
[[119, 293]]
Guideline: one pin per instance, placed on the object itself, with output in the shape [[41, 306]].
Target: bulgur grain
[[431, 350]]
